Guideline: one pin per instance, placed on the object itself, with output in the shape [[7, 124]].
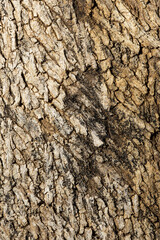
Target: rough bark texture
[[79, 117]]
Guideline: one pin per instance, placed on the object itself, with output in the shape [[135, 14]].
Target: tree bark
[[79, 117]]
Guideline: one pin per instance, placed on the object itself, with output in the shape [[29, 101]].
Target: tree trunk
[[79, 117]]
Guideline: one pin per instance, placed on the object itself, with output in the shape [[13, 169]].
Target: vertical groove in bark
[[79, 119]]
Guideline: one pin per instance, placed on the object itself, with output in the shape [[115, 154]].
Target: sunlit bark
[[79, 119]]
